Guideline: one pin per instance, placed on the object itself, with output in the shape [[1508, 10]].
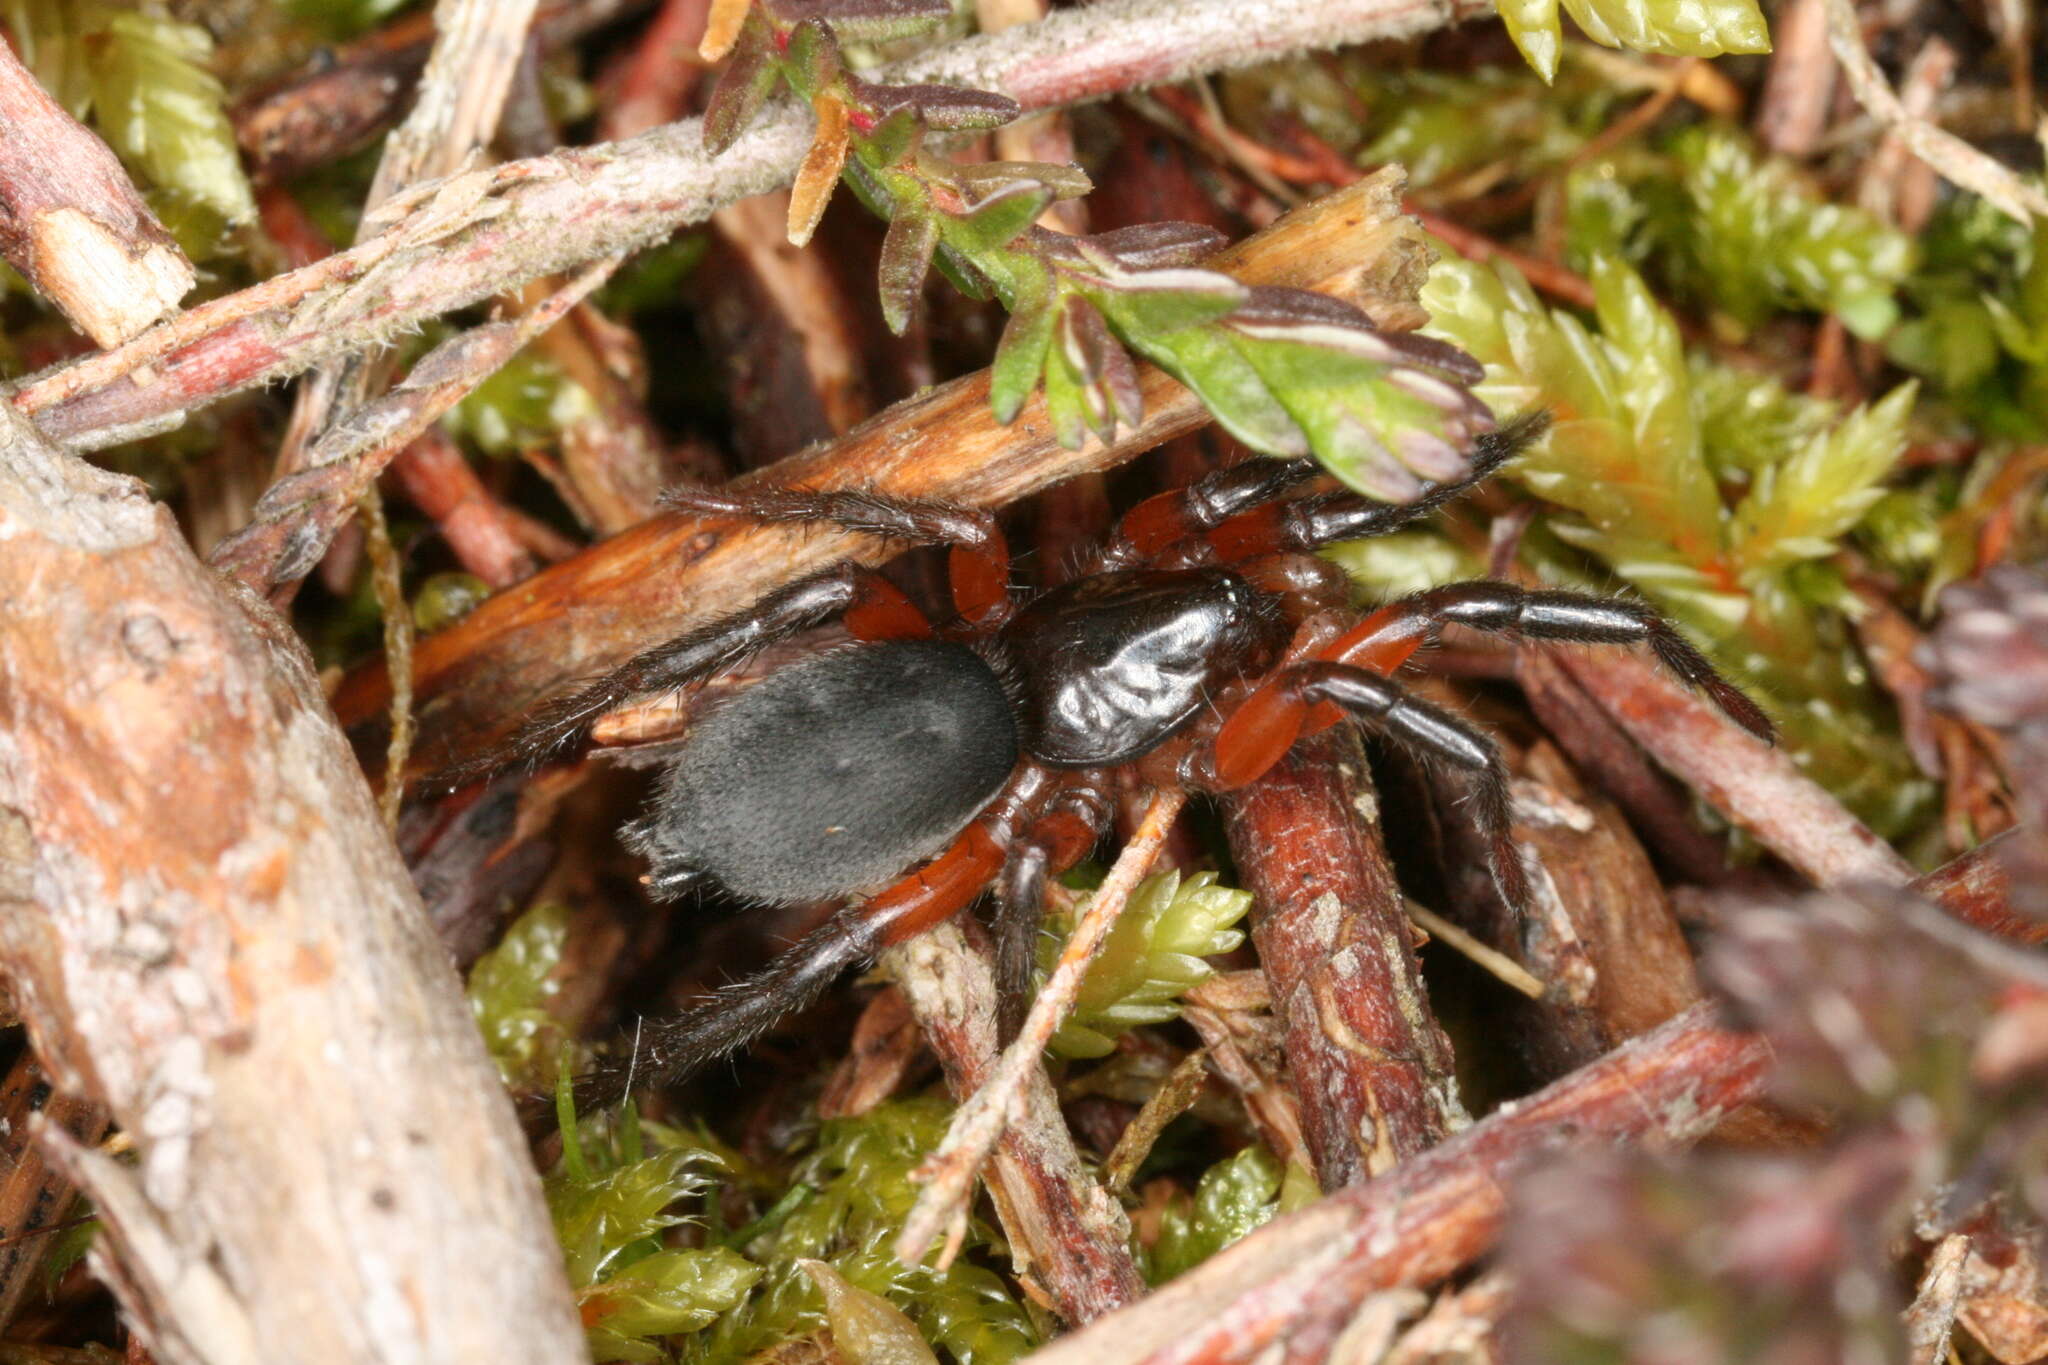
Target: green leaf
[[1233, 1197], [1672, 28], [1229, 385], [906, 258], [160, 108], [1152, 957], [1020, 354], [996, 220], [742, 88], [509, 988]]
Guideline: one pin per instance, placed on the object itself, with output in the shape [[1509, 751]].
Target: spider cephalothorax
[[1199, 641]]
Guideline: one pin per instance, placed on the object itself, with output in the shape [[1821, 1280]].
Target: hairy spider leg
[[1267, 527], [1269, 721], [1051, 844], [669, 1051], [873, 608], [1369, 696], [978, 565]]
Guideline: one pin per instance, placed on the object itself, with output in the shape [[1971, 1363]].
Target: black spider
[[1201, 639]]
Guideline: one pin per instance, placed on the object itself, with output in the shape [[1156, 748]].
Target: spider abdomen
[[832, 775]]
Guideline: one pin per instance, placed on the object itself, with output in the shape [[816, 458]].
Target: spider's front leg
[[978, 566], [1271, 719], [1055, 841], [872, 608]]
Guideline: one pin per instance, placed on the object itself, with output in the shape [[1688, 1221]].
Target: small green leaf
[[1020, 355], [662, 1294], [906, 257], [743, 87], [1802, 508], [1229, 385], [1672, 28], [996, 220], [1153, 956]]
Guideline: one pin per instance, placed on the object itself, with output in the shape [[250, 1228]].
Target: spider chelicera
[[1198, 642]]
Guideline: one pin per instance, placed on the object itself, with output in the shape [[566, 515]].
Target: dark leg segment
[[1311, 523], [1435, 734], [786, 612], [670, 1050], [980, 566], [1054, 842], [1576, 617]]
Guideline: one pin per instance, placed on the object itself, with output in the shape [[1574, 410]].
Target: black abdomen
[[834, 774]]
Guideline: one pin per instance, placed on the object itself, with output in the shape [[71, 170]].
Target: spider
[[1199, 640]]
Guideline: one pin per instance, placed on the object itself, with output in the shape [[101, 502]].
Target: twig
[[210, 933], [297, 517], [474, 678], [1365, 1056], [437, 479], [479, 233], [34, 1197], [1959, 162], [1976, 888], [1060, 1222], [979, 1123], [1793, 111], [1432, 1214], [1757, 787], [389, 582], [349, 94], [1499, 965], [461, 92], [73, 224], [1175, 1096]]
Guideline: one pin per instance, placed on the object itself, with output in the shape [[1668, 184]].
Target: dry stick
[[73, 224], [1959, 162], [34, 1198], [588, 614], [1432, 1214], [296, 518], [979, 1123], [1064, 1229], [209, 931], [1756, 786], [1499, 965], [1365, 1056], [477, 234], [344, 96]]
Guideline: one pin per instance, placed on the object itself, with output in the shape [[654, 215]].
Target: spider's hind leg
[[670, 1050]]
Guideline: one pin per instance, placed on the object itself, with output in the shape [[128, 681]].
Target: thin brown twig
[[978, 1124], [297, 516], [478, 233], [1959, 162], [1064, 1230], [72, 222], [1303, 1274]]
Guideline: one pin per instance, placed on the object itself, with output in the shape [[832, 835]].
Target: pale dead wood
[[73, 224], [209, 932], [981, 1120], [1065, 1231], [1304, 1275]]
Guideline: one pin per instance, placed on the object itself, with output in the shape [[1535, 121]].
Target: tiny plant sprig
[[1289, 372]]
